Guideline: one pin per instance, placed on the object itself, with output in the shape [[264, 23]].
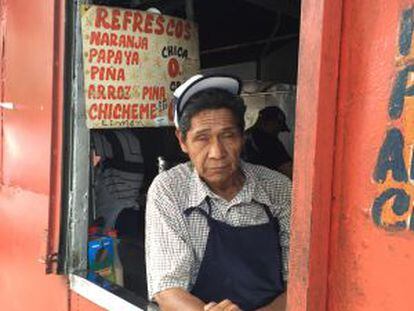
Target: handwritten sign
[[133, 61], [392, 209]]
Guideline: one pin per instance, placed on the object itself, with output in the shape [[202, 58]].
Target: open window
[[107, 167]]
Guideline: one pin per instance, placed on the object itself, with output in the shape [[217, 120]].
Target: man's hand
[[225, 305], [179, 299]]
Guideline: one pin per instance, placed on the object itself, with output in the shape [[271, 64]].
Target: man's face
[[214, 143]]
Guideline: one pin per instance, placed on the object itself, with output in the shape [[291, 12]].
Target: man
[[217, 228], [263, 146]]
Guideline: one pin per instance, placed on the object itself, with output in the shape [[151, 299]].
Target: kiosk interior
[[109, 168]]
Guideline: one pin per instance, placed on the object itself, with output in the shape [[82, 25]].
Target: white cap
[[199, 83], [154, 10]]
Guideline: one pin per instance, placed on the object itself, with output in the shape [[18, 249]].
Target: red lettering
[[115, 19], [148, 23], [105, 39], [101, 56], [117, 111], [144, 44], [113, 39], [95, 38], [153, 111], [179, 29], [127, 92], [125, 112], [173, 67], [137, 22], [160, 25], [134, 112], [121, 74], [111, 74], [118, 57], [126, 20], [145, 91], [101, 15], [170, 28], [101, 92], [132, 58], [162, 94], [94, 72], [92, 112], [91, 91], [130, 41], [143, 110], [111, 54], [104, 111], [111, 92], [105, 56], [92, 54], [104, 73], [153, 93], [187, 30]]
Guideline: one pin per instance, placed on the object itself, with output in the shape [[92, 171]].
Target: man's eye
[[201, 138], [228, 135]]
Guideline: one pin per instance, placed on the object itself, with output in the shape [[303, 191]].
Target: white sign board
[[133, 61]]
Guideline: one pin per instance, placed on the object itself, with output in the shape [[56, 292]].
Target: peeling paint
[[392, 209]]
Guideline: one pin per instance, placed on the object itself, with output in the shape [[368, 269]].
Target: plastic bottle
[[119, 270]]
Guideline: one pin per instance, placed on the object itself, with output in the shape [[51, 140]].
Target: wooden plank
[[314, 149]]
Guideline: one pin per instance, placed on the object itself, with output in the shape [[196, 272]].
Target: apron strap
[[188, 211], [208, 201], [267, 210]]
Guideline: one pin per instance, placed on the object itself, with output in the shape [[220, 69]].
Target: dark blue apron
[[242, 264]]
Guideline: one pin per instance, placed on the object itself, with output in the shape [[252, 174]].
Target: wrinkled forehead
[[220, 119]]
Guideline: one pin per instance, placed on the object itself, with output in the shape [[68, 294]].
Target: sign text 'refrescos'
[[133, 61], [392, 209]]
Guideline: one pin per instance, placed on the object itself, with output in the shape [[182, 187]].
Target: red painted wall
[[28, 31], [371, 260], [364, 224], [79, 303]]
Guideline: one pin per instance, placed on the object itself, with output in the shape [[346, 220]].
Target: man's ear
[[181, 140]]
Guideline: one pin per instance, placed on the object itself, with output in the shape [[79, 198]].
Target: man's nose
[[217, 149]]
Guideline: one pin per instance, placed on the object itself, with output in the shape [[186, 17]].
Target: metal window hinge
[[50, 261], [52, 257]]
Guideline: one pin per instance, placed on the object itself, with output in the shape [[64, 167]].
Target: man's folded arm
[[173, 299]]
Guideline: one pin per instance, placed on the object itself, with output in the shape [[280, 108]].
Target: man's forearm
[[279, 304], [178, 299]]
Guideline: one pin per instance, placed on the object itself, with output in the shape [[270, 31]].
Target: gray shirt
[[175, 243]]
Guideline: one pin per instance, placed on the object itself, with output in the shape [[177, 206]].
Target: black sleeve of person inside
[[262, 146]]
